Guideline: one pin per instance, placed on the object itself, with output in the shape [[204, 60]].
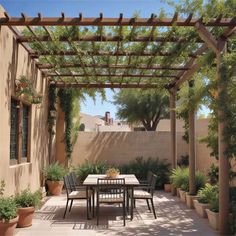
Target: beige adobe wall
[[14, 62], [121, 147]]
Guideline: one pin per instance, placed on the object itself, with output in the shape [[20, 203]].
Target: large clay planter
[[173, 190], [201, 208], [182, 195], [189, 200], [177, 192], [213, 218], [167, 187], [8, 228], [25, 216], [55, 187]]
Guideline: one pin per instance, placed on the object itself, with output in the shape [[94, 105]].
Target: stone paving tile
[[173, 218]]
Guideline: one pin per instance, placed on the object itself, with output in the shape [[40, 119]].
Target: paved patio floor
[[173, 218]]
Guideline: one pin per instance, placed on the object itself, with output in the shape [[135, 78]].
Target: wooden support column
[[173, 128], [219, 46], [223, 159], [192, 142], [173, 133]]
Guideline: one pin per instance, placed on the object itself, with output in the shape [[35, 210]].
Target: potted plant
[[54, 174], [26, 203], [8, 216], [204, 196], [179, 179], [112, 172], [213, 211], [200, 181]]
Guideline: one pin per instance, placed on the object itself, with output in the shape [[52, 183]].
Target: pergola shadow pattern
[[173, 218]]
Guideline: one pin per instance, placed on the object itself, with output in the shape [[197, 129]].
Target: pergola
[[151, 66]]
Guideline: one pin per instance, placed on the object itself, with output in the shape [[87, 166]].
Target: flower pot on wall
[[8, 228], [167, 187], [25, 216], [182, 195], [213, 218], [189, 200], [201, 208], [55, 187]]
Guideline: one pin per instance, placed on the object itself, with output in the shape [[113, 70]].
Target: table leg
[[132, 203]]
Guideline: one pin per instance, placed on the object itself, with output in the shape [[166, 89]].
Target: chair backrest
[[110, 187], [153, 184], [67, 184], [72, 180]]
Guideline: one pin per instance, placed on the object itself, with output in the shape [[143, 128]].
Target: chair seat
[[141, 194], [113, 198], [79, 194]]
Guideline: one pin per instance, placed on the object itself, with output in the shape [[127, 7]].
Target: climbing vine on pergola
[[154, 52]]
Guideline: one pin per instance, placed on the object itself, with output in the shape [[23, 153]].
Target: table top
[[130, 179]]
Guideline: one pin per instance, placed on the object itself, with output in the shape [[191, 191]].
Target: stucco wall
[[14, 62], [121, 147]]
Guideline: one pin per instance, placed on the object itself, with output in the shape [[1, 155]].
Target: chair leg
[[97, 213], [93, 200], [154, 212], [71, 205], [66, 208], [134, 203], [148, 205], [124, 213]]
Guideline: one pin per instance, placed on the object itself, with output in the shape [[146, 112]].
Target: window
[[19, 134]]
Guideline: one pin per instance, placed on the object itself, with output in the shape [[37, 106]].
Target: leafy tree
[[145, 106]]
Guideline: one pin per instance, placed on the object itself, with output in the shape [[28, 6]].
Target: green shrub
[[206, 193], [214, 202], [140, 168], [200, 180], [8, 209], [27, 199], [54, 172], [180, 177], [87, 168], [213, 174]]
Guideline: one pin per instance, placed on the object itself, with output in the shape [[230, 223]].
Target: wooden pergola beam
[[82, 21], [103, 38], [103, 53], [113, 66], [107, 75], [106, 85], [207, 37]]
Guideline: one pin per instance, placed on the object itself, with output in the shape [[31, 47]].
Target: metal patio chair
[[111, 191]]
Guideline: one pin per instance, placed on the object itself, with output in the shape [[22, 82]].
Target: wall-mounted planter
[[182, 195], [189, 200], [201, 208]]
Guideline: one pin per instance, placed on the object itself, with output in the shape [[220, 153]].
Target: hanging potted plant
[[54, 174], [8, 216], [26, 203]]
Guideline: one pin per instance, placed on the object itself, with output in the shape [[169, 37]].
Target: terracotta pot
[[182, 195], [55, 187], [201, 208], [25, 216], [167, 187], [213, 218], [8, 228], [189, 200]]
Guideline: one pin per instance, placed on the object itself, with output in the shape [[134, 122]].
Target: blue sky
[[89, 8]]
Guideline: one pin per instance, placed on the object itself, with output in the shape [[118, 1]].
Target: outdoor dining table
[[130, 182]]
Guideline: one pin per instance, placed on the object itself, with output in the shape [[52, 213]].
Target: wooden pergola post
[[223, 159], [173, 132], [219, 47], [173, 128], [192, 143]]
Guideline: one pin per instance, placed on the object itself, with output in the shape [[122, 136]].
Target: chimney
[[107, 117]]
